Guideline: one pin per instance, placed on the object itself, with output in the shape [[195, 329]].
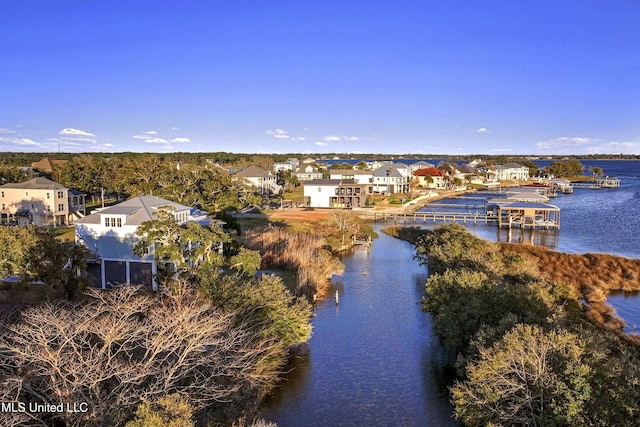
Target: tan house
[[431, 178], [42, 202]]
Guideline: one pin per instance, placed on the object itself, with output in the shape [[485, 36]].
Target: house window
[[60, 194], [3, 206], [118, 222], [48, 196], [319, 189], [3, 194], [106, 222], [60, 207]]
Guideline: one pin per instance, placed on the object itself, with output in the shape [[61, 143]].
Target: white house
[[359, 176], [40, 201], [110, 233], [335, 193], [512, 171], [262, 180], [391, 178], [307, 172]]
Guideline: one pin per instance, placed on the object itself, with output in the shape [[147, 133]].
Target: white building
[[512, 171], [261, 180], [111, 234], [391, 178], [359, 176], [307, 172]]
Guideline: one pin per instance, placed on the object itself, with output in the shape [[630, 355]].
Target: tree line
[[527, 354]]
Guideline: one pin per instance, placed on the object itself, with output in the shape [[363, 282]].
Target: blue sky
[[432, 77]]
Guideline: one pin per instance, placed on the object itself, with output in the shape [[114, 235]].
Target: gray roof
[[138, 210], [526, 205], [253, 171], [510, 165], [38, 183], [323, 182]]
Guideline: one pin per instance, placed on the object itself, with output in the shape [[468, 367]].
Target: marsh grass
[[592, 276], [301, 252]]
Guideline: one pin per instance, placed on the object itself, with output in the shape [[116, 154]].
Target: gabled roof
[[430, 172], [253, 171], [39, 183], [390, 169], [47, 164], [138, 210], [467, 169], [353, 172]]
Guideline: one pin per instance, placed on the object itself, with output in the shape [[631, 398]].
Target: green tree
[[172, 410], [188, 247], [529, 378], [262, 304], [568, 168]]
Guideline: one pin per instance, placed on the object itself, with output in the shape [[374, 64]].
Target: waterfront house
[[335, 193], [111, 234], [512, 171], [42, 202], [307, 172], [261, 180], [391, 178], [431, 178]]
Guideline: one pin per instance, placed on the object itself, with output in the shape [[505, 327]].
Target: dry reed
[[303, 253]]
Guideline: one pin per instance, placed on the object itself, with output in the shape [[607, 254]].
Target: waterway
[[374, 359]]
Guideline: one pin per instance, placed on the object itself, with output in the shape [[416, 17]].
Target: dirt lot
[[299, 214]]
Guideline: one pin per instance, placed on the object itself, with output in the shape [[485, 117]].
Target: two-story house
[[335, 193], [512, 171], [42, 202], [307, 172], [391, 178], [110, 233], [260, 179], [431, 178]]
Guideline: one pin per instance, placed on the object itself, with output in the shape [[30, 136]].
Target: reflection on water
[[374, 359], [627, 305]]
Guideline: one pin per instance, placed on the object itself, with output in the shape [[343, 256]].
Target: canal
[[374, 359]]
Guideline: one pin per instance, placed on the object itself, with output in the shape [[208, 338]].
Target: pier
[[424, 217]]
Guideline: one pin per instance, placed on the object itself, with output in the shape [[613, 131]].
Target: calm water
[[374, 359]]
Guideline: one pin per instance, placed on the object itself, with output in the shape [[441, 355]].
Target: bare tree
[[121, 347]]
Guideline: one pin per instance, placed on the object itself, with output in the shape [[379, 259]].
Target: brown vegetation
[[300, 252], [593, 276]]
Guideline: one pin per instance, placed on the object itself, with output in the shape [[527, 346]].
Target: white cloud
[[151, 132], [614, 147], [351, 138], [180, 140], [321, 144], [332, 138], [175, 128], [480, 130], [156, 141], [6, 131], [24, 141], [108, 145], [299, 139], [565, 142], [277, 133], [74, 132]]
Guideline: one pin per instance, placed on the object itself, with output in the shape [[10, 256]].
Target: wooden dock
[[424, 217]]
